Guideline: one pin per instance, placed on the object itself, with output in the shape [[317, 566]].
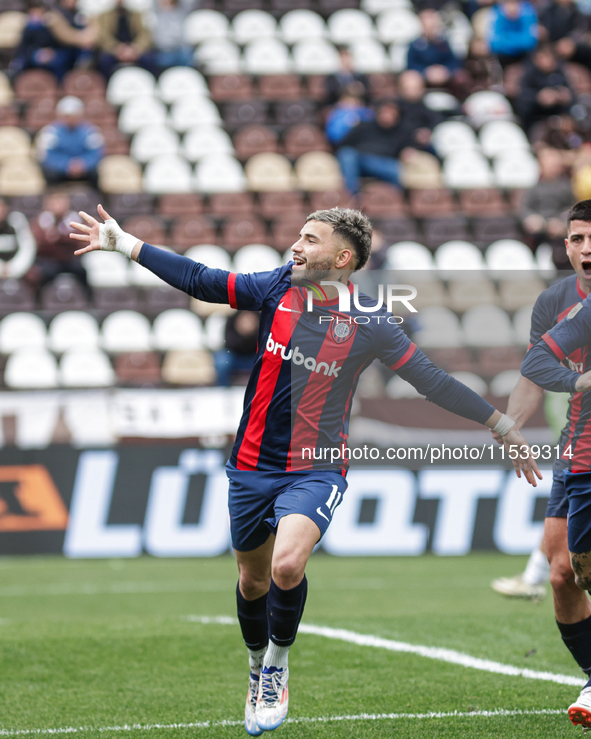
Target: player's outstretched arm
[[517, 447], [106, 236]]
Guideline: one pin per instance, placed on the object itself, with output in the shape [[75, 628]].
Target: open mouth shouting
[[586, 266]]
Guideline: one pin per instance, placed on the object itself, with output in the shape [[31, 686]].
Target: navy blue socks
[[577, 638]]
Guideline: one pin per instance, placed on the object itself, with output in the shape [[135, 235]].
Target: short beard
[[314, 273]]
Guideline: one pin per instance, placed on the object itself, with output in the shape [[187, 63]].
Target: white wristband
[[113, 238], [504, 425]]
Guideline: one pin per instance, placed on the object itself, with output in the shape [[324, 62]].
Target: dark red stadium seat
[[29, 205], [63, 293], [164, 297], [296, 111], [398, 229], [240, 230], [493, 360], [9, 116], [285, 229], [302, 138], [274, 204], [255, 140], [482, 202], [327, 7], [191, 230], [100, 112], [382, 85], [180, 204], [229, 204], [130, 204], [329, 199], [146, 228], [230, 87], [84, 83], [138, 368], [110, 299], [437, 231], [279, 7], [231, 7], [487, 230], [15, 296], [280, 87], [245, 113], [40, 112], [317, 87], [458, 359], [84, 199], [431, 202], [379, 199], [35, 83], [116, 142]]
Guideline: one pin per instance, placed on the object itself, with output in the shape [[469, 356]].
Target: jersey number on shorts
[[334, 499]]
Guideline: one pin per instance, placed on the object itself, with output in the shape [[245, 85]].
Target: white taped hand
[[113, 238]]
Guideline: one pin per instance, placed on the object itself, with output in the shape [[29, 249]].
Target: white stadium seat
[[459, 31], [471, 380], [522, 325], [256, 258], [129, 82], [143, 277], [219, 173], [349, 24], [438, 327], [153, 140], [86, 367], [503, 384], [373, 7], [441, 101], [315, 56], [125, 331], [214, 328], [544, 259], [138, 111], [186, 113], [408, 255], [210, 255], [467, 169], [19, 330], [457, 256], [31, 368], [516, 169], [201, 25], [398, 26], [487, 105], [72, 329], [487, 325], [369, 56], [297, 25], [398, 55], [94, 7], [250, 25], [266, 56], [177, 329], [451, 136], [106, 270], [206, 139], [167, 174], [499, 136], [219, 56], [179, 82], [509, 254], [398, 388]]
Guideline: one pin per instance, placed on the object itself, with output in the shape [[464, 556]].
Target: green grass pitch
[[99, 644]]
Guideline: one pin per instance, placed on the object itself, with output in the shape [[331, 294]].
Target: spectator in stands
[[17, 245], [346, 79], [559, 132], [431, 54], [513, 30], [416, 116], [373, 148], [346, 114], [241, 339], [561, 19], [122, 38], [167, 27], [482, 68], [545, 89], [73, 32], [70, 148], [51, 230], [544, 205]]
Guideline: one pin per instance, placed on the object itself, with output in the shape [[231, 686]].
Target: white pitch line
[[439, 653], [497, 712]]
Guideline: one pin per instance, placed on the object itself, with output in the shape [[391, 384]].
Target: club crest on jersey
[[341, 331]]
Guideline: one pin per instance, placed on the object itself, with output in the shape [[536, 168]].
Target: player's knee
[[287, 571], [562, 578], [254, 585]]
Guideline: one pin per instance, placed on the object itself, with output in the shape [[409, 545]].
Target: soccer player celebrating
[[287, 470], [561, 334]]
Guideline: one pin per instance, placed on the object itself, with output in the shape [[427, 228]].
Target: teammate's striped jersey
[[552, 338], [298, 398]]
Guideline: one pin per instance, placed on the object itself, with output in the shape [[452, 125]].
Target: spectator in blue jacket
[[346, 114], [513, 30], [70, 148], [431, 54]]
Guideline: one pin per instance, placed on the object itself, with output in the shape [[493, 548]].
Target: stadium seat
[[408, 255], [382, 200], [273, 204], [318, 170], [444, 229], [226, 87], [6, 91], [252, 25], [487, 325], [398, 25], [499, 136], [31, 368], [167, 173], [20, 176], [430, 292], [164, 297], [70, 329], [245, 113], [374, 7], [398, 56], [201, 25], [188, 368], [487, 105], [189, 112], [154, 140], [280, 87], [481, 22], [215, 326], [544, 259], [84, 83], [457, 256], [180, 82], [466, 170], [348, 25], [269, 173], [382, 85], [20, 330], [459, 32], [522, 325], [487, 230], [130, 204], [509, 255], [464, 294], [296, 111], [119, 174], [483, 202], [332, 198], [40, 112], [253, 140], [146, 228], [503, 384], [442, 102], [12, 23], [142, 277], [421, 171], [471, 380], [299, 25], [219, 56], [34, 83], [219, 173], [63, 293], [180, 204], [125, 331], [129, 82], [241, 230], [256, 258], [85, 367], [285, 230], [206, 139], [431, 203], [279, 7], [13, 141], [9, 115], [138, 368], [109, 299], [451, 136], [315, 56], [106, 270], [266, 56], [517, 293], [516, 169], [190, 230], [438, 327], [210, 255], [15, 296], [395, 230], [369, 56], [177, 329], [223, 204], [397, 389]]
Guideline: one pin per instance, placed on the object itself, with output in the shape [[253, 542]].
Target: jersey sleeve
[[242, 291], [542, 318]]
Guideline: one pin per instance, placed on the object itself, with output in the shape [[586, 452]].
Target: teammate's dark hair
[[580, 211], [352, 226]]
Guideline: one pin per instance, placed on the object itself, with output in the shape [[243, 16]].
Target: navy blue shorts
[[558, 503], [257, 500], [578, 489]]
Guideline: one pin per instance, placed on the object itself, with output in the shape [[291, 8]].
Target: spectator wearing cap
[[122, 38], [70, 148], [346, 79], [513, 30], [431, 54]]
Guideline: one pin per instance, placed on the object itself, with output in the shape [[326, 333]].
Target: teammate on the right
[[561, 332]]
